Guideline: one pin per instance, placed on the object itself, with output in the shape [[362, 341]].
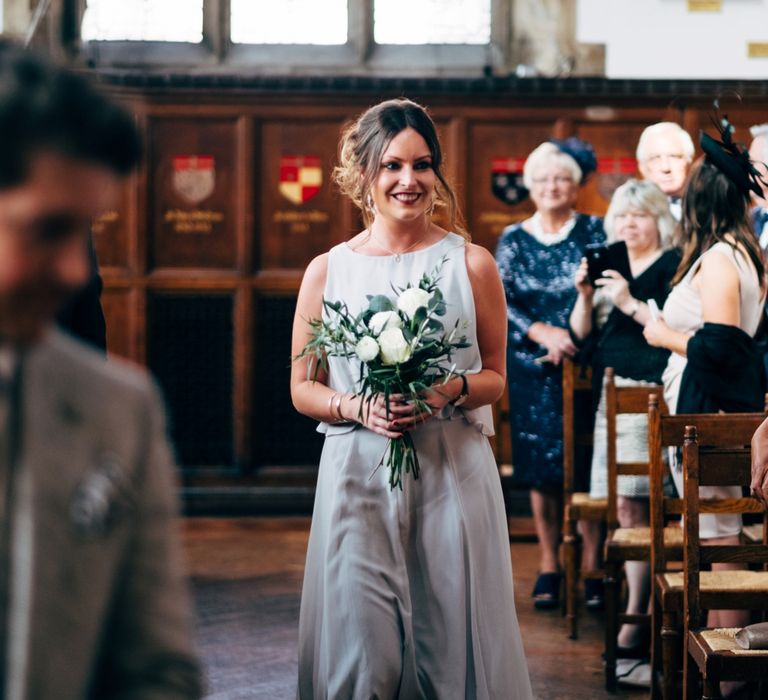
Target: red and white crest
[[194, 177], [300, 177], [612, 173]]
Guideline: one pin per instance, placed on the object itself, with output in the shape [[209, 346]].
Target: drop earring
[[369, 204]]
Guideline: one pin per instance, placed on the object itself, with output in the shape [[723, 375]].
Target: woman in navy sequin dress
[[537, 260]]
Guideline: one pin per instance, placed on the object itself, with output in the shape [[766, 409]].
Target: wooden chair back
[[577, 388], [622, 400], [717, 455], [732, 430]]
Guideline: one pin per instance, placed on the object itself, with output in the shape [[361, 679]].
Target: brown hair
[[363, 144], [713, 208]]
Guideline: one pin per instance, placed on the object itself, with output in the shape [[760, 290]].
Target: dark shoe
[[594, 593], [546, 592]]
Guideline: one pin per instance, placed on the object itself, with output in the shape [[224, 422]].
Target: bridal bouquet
[[403, 348]]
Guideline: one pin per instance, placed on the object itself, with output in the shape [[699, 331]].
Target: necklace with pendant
[[397, 255]]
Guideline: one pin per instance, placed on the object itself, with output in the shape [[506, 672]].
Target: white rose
[[384, 319], [394, 347], [411, 300], [367, 348]]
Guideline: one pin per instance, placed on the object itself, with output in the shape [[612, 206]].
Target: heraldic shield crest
[[612, 173], [507, 180], [300, 177], [194, 177]]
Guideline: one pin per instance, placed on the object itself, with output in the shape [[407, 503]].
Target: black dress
[[619, 342], [538, 281]]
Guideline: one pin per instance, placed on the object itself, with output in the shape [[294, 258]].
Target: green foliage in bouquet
[[403, 348]]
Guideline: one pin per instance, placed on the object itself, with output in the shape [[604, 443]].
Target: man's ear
[[643, 169]]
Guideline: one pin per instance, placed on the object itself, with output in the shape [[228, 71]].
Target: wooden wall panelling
[[496, 150], [454, 143], [111, 230], [742, 115], [225, 299], [302, 212], [190, 349], [280, 436], [194, 191], [242, 401], [140, 232], [118, 305], [614, 134]]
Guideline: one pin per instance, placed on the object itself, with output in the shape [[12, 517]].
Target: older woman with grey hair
[[610, 317], [537, 259]]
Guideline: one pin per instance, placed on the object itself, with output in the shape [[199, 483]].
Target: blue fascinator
[[581, 151]]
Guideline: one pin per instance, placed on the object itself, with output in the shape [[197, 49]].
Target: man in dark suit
[[93, 602]]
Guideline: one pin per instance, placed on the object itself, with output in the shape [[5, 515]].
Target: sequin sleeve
[[506, 254]]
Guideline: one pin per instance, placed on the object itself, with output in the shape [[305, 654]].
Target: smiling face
[[638, 229], [44, 226], [403, 189], [664, 162], [554, 189]]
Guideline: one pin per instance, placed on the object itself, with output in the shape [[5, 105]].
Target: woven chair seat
[[736, 581], [640, 536], [580, 498], [723, 641], [584, 500]]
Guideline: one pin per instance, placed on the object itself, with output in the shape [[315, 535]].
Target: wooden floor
[[246, 577]]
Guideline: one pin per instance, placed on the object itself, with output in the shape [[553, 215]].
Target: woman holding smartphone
[[608, 319]]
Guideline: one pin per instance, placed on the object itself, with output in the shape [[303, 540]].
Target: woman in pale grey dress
[[407, 594]]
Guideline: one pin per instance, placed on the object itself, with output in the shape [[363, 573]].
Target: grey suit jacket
[[98, 601]]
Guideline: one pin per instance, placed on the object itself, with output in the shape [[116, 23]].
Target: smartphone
[[607, 257], [653, 307]]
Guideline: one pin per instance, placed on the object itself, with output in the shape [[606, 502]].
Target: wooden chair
[[623, 544], [577, 505], [712, 654], [716, 430]]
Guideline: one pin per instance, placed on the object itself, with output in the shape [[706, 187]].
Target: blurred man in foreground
[[93, 603], [664, 156]]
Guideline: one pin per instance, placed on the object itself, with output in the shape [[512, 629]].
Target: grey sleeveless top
[[351, 276]]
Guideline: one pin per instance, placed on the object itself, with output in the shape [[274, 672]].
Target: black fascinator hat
[[581, 151], [731, 158]]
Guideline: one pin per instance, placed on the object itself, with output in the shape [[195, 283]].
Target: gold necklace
[[397, 254]]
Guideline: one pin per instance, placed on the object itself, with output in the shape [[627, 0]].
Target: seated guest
[[758, 154], [664, 156], [537, 260], [712, 315], [609, 318]]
